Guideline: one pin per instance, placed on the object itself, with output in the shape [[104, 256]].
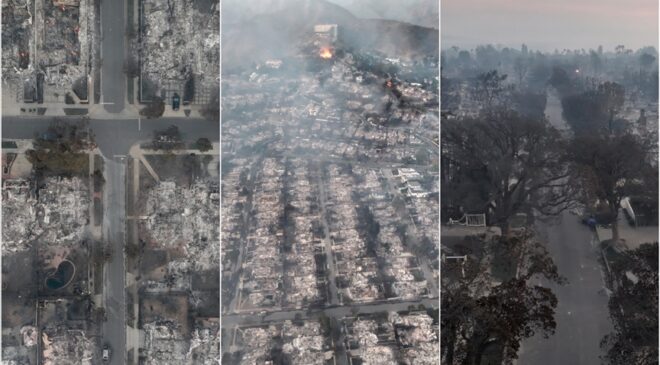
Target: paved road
[[114, 329], [582, 313], [113, 30], [231, 320], [115, 137]]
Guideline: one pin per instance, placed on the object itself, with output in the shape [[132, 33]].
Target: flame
[[325, 53]]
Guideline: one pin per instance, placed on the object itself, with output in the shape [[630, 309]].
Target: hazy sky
[[549, 24]]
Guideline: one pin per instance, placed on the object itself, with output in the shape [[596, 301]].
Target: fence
[[470, 220]]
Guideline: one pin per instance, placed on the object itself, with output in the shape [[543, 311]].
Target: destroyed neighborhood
[[329, 200], [126, 235], [110, 182]]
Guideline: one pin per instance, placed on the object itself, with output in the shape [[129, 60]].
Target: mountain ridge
[[277, 34]]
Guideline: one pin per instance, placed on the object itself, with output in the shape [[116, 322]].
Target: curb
[[602, 253]]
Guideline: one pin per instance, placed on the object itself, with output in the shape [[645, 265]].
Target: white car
[[106, 353]]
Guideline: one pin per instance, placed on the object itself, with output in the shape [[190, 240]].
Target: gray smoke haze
[[418, 12], [255, 30], [424, 13], [548, 25]]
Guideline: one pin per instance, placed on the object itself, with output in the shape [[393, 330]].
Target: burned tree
[[490, 90], [505, 163], [635, 337], [594, 111], [521, 66], [609, 167]]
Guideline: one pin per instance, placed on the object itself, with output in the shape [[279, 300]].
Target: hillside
[[279, 33]]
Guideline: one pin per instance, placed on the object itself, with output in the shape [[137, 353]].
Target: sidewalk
[[632, 237], [136, 151], [95, 111]]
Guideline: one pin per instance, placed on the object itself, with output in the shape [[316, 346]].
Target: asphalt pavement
[[582, 313], [114, 329], [113, 136], [113, 31], [245, 319]]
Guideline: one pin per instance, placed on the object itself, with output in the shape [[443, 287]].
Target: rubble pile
[[181, 39], [17, 40], [62, 346], [335, 117], [355, 265], [64, 55], [365, 332], [418, 337], [398, 262], [19, 210], [177, 277], [426, 214], [29, 334], [412, 338], [317, 120], [234, 203], [16, 355], [185, 217], [64, 210], [57, 217], [257, 343], [302, 267], [165, 344], [205, 345], [304, 344], [262, 262], [376, 267]]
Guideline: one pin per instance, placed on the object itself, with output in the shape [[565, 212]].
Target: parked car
[[106, 353], [175, 101], [597, 219]]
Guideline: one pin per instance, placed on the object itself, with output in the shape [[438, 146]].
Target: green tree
[[203, 144], [62, 149], [211, 111], [154, 109], [131, 67], [168, 139]]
